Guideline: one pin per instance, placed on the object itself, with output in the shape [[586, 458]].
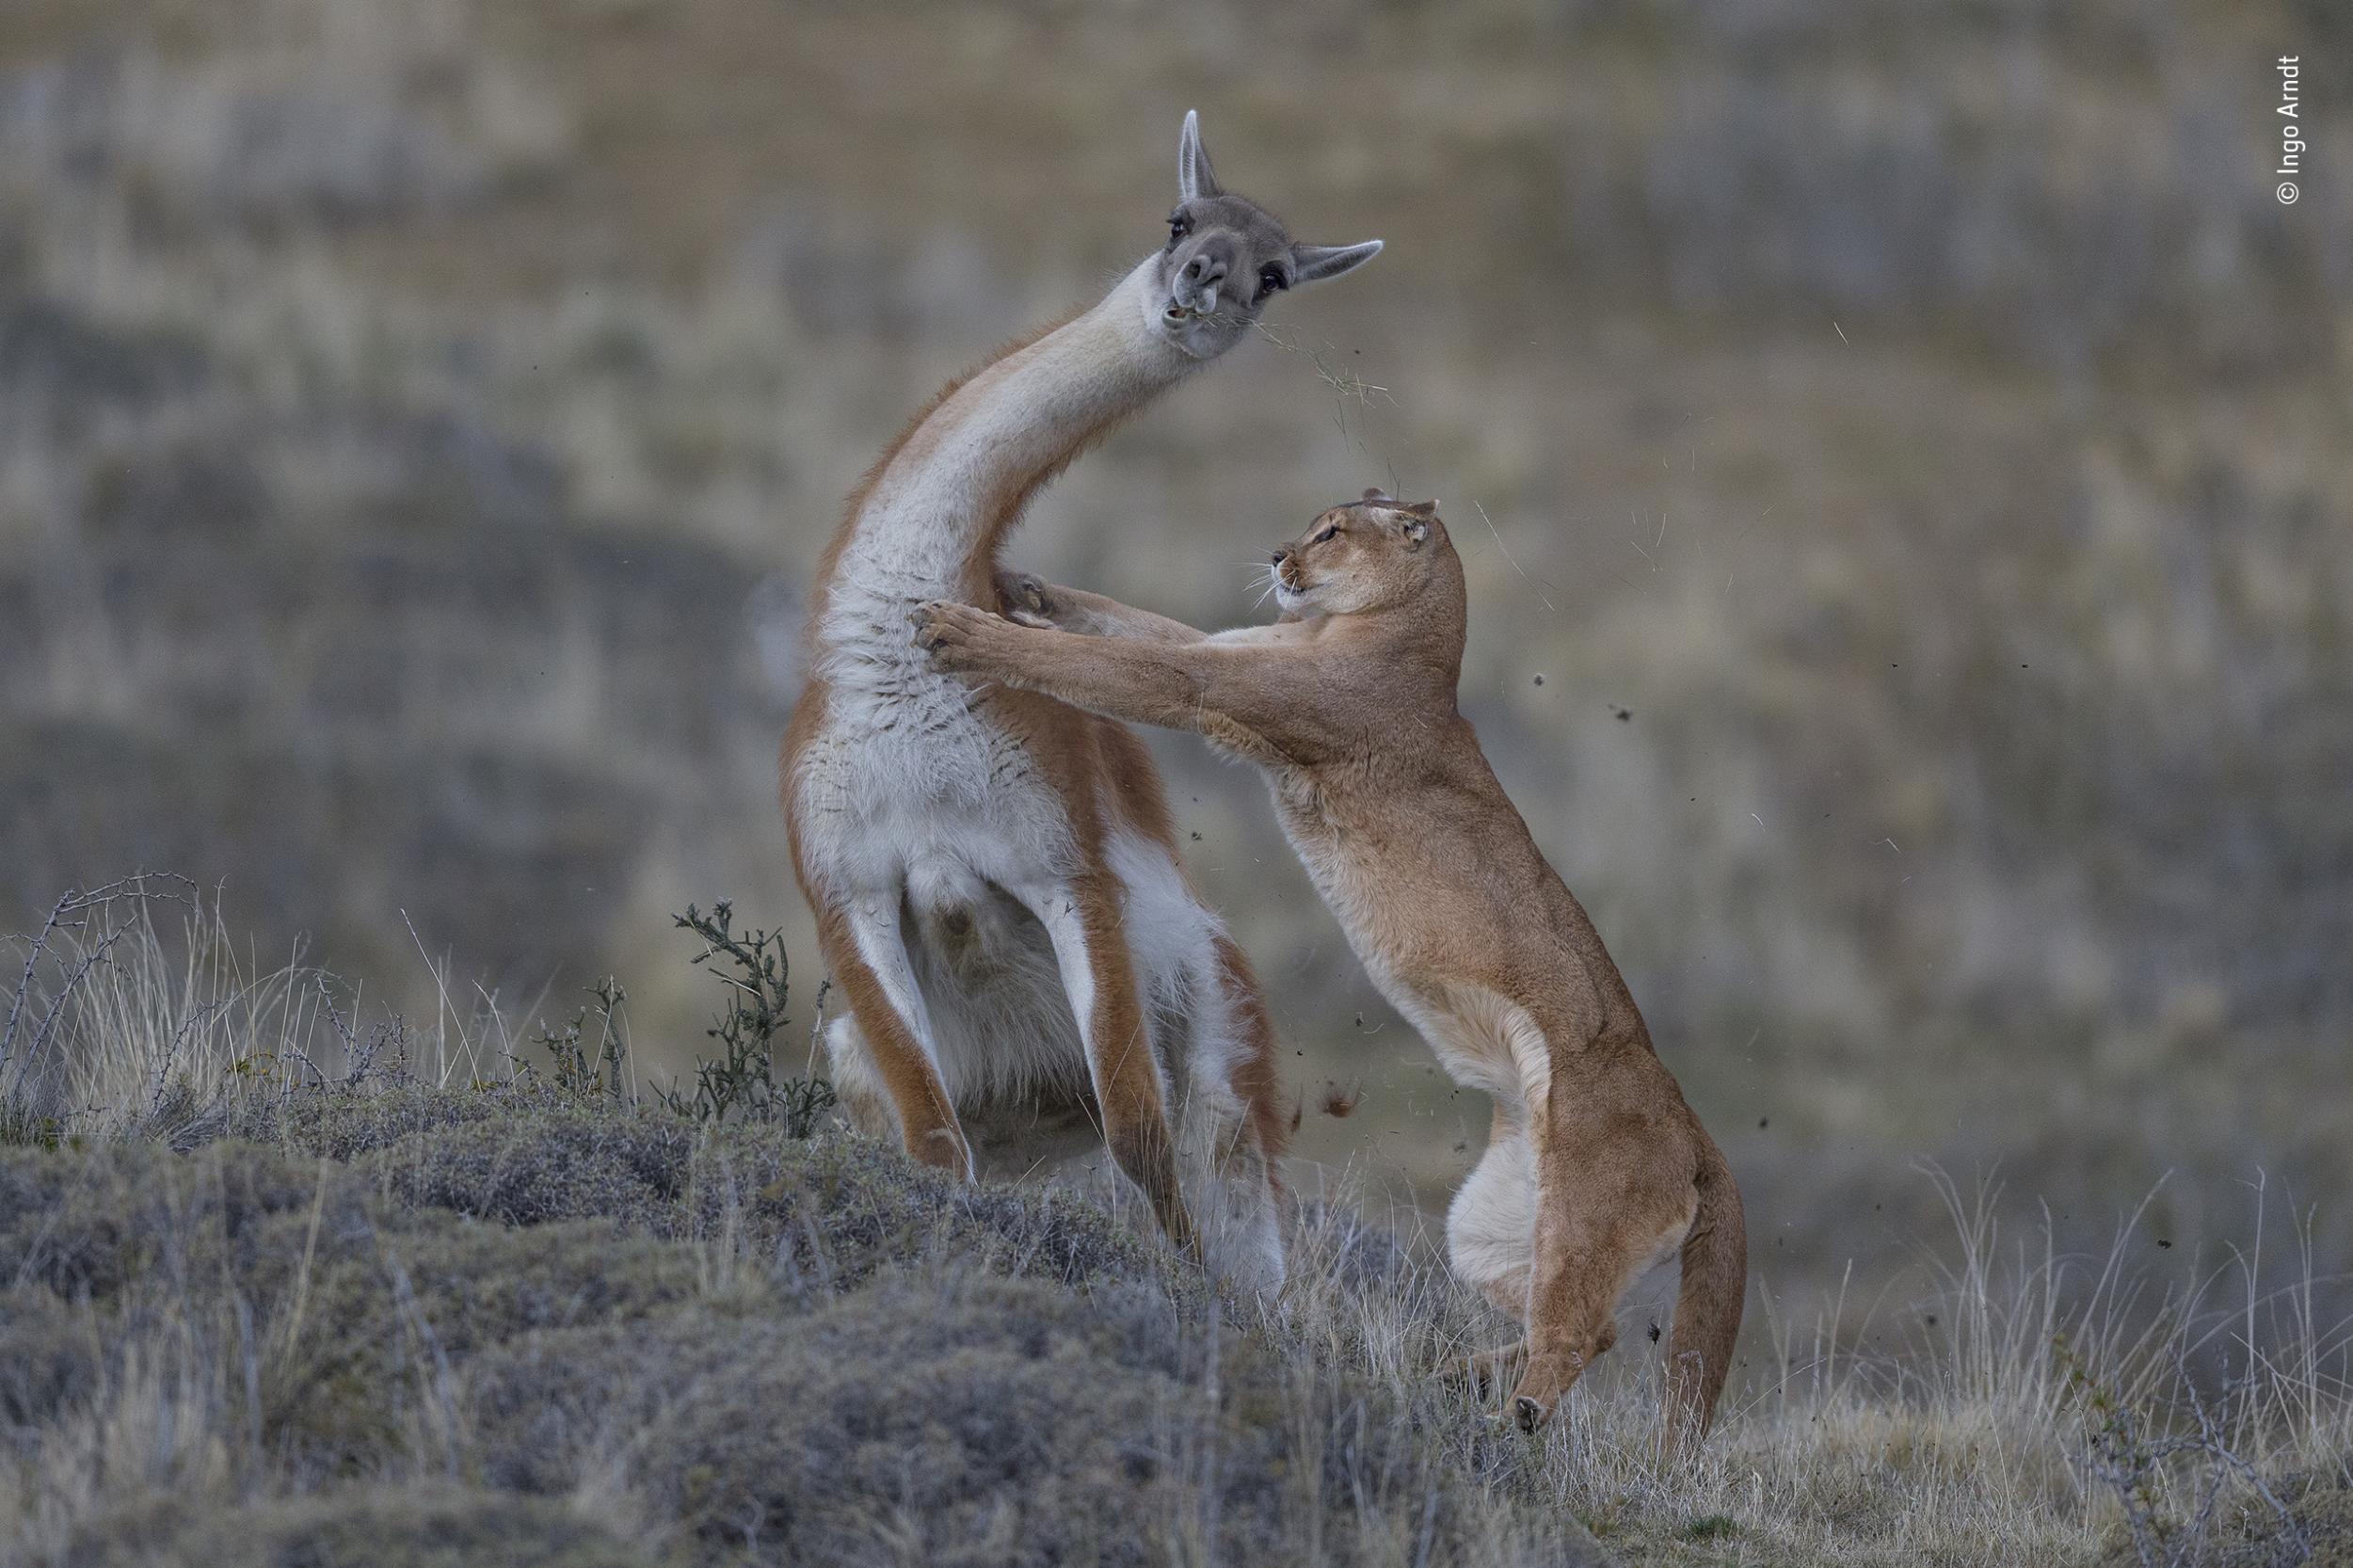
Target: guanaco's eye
[[1179, 226], [1328, 531], [1270, 279]]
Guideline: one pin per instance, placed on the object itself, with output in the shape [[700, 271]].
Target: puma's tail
[[1708, 1303]]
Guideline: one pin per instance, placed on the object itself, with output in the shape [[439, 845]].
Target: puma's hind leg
[[1491, 1225], [1615, 1196], [1495, 1368]]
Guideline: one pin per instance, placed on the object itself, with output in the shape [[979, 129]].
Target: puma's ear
[[1376, 493], [1193, 177], [1416, 533], [1422, 508]]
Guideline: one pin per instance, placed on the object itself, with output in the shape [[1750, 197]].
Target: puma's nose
[[1281, 556]]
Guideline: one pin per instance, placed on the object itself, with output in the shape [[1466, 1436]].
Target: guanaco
[[1595, 1169], [995, 875]]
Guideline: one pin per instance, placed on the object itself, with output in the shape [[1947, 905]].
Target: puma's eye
[[1328, 532], [1270, 279]]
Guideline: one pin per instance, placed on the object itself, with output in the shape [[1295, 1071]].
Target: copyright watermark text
[[2291, 69]]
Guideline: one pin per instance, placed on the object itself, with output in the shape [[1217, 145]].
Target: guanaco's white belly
[[910, 795]]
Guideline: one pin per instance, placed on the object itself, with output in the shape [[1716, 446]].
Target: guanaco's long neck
[[930, 525]]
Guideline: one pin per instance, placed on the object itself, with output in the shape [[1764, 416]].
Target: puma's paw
[[1489, 1370], [955, 633], [1543, 1384], [1021, 593]]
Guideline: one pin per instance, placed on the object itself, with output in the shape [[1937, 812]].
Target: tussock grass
[[270, 1277]]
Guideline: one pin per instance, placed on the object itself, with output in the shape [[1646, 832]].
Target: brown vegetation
[[420, 1301]]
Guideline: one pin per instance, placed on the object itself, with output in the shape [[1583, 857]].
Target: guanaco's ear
[[1193, 177], [1313, 264]]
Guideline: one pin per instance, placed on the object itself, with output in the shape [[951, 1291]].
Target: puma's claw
[[956, 635]]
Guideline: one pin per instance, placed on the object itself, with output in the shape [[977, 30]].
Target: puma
[[1595, 1168]]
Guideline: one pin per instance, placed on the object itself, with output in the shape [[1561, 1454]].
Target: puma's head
[[1368, 554]]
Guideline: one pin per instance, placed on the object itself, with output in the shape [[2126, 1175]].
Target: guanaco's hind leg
[[1083, 919], [868, 957], [1227, 1109], [859, 1087]]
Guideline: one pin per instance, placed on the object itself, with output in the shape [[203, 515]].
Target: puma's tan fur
[[1596, 1169]]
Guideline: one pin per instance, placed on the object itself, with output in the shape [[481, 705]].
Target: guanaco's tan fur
[[995, 875], [1596, 1168]]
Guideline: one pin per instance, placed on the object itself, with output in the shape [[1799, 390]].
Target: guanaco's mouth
[[1193, 329], [1190, 302]]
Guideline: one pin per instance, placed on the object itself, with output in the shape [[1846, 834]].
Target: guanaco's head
[[1369, 554], [1226, 256]]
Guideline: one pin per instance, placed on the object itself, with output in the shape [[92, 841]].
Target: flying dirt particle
[[1196, 838], [1299, 1114], [2163, 1242], [1621, 714], [1540, 680], [1931, 1319], [1654, 1334], [1764, 1122], [1339, 1102]]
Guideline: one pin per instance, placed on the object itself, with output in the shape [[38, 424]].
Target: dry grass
[[386, 1286]]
